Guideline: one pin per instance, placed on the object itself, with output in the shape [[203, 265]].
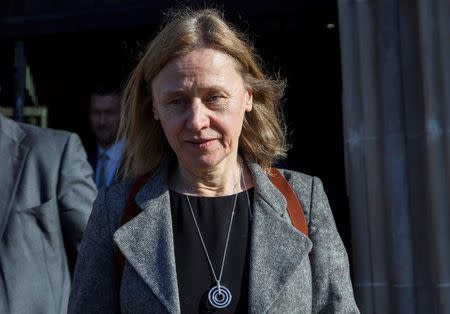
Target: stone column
[[396, 109]]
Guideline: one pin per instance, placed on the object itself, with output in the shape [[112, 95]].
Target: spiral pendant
[[219, 297]]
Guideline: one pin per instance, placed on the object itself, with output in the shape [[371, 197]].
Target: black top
[[194, 275]]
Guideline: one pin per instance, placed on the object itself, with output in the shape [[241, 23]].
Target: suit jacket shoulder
[[45, 136]]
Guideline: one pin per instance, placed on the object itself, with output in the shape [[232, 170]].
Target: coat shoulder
[[303, 185], [116, 197], [298, 180]]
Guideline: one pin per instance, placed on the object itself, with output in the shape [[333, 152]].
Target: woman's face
[[200, 100]]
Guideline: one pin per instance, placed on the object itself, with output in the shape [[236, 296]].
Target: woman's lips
[[201, 143]]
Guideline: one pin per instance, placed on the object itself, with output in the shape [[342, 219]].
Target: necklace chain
[[218, 280], [219, 296]]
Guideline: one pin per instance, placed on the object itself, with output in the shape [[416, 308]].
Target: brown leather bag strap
[[294, 206], [130, 211]]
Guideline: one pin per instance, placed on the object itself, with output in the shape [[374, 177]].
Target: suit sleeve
[[76, 194], [332, 287], [95, 288]]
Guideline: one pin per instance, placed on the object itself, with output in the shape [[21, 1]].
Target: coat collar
[[276, 247], [13, 153]]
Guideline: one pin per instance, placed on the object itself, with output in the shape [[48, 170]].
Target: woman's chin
[[202, 163]]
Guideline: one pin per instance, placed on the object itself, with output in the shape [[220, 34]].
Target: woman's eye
[[215, 99], [175, 101]]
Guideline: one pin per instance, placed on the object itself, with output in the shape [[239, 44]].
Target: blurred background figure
[[104, 115], [46, 197]]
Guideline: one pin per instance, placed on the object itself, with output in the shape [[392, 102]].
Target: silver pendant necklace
[[219, 296]]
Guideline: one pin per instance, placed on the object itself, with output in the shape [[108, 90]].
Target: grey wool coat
[[288, 272], [46, 197]]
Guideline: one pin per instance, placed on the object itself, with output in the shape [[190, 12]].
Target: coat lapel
[[276, 247], [147, 241], [13, 154]]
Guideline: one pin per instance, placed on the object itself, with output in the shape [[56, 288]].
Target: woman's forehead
[[202, 66], [201, 58]]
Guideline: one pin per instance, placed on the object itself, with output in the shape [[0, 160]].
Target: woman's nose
[[198, 116]]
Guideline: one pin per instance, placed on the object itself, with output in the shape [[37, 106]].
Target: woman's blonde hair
[[262, 138]]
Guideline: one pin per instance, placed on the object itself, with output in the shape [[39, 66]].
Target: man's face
[[104, 115]]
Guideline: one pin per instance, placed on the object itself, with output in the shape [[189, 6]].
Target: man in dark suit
[[104, 116], [46, 197]]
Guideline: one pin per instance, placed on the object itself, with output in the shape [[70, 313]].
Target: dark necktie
[[103, 170]]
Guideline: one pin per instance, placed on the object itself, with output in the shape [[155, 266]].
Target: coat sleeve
[[95, 288], [332, 287], [76, 193]]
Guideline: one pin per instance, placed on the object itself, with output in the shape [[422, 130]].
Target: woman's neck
[[224, 179]]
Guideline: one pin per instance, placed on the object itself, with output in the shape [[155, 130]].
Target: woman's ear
[[249, 102]]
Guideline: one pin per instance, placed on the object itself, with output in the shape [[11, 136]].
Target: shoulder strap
[[294, 206]]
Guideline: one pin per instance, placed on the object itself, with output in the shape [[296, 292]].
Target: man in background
[[104, 116], [46, 195]]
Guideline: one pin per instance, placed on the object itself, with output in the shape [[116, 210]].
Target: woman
[[212, 233]]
